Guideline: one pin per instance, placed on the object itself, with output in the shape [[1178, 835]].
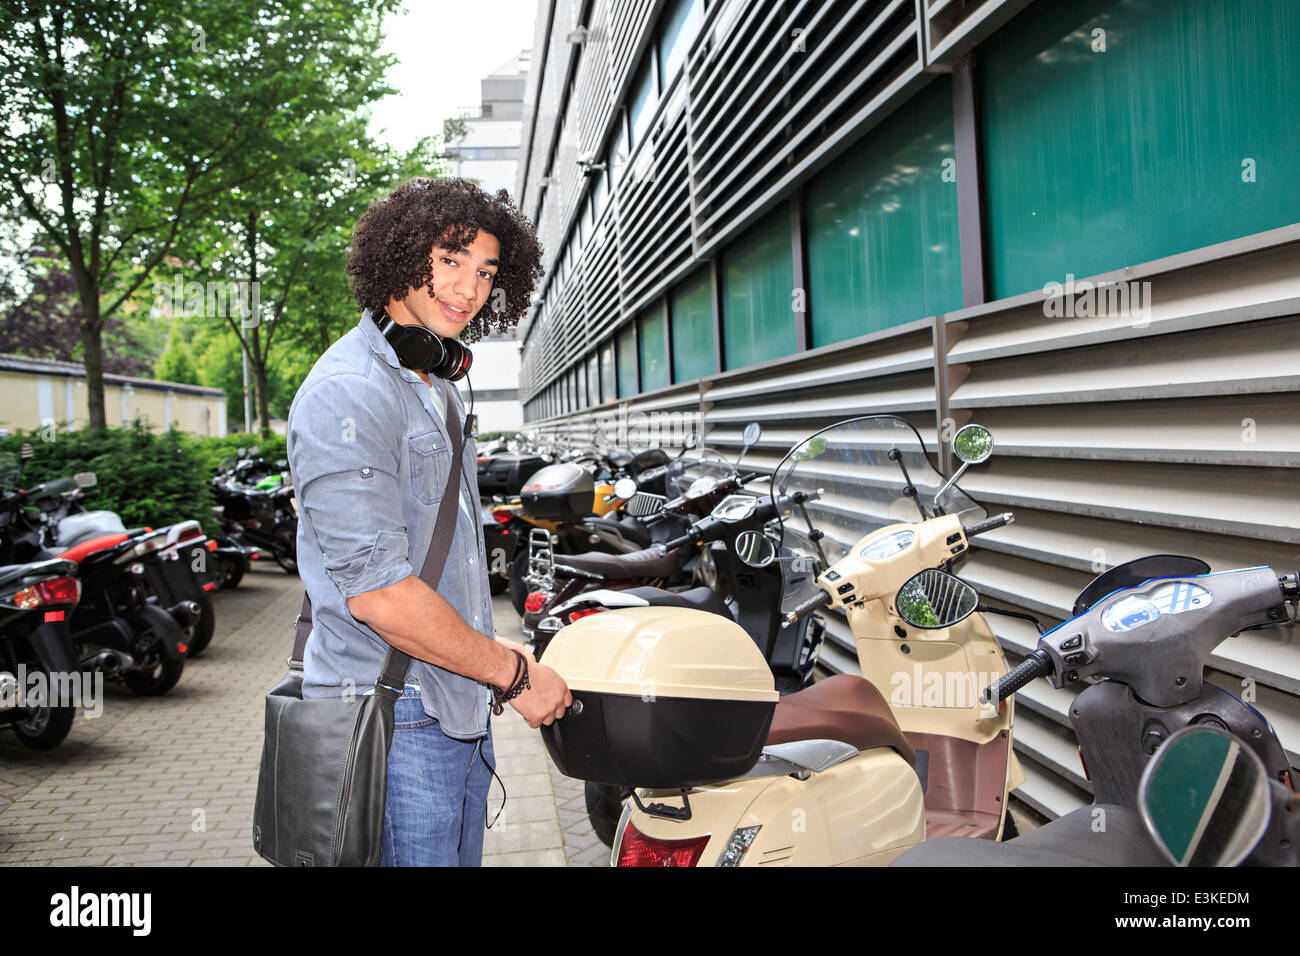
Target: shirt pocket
[[430, 466]]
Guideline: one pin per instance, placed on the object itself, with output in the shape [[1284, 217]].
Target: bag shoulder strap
[[396, 663]]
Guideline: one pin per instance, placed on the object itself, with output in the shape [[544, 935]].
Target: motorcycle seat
[[630, 530], [700, 599], [842, 707], [80, 552], [649, 563]]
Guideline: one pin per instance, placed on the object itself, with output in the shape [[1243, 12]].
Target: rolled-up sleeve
[[345, 445]]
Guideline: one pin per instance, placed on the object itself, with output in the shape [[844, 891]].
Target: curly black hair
[[390, 248]]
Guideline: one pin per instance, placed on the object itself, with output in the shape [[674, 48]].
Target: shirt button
[[471, 560]]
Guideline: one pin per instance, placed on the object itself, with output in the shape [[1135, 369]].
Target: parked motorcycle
[[557, 583], [723, 764], [118, 626], [38, 661], [1144, 632], [255, 503]]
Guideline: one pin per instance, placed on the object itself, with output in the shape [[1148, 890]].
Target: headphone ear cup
[[456, 362], [419, 349]]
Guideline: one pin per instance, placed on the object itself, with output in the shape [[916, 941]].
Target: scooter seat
[[842, 707], [81, 551], [701, 599], [649, 563]]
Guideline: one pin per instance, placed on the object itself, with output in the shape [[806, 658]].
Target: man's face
[[462, 281]]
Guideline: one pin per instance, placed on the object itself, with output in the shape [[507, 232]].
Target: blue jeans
[[436, 804]]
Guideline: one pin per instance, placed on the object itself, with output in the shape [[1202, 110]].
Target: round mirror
[[933, 599], [241, 451], [691, 441], [624, 488], [755, 549], [254, 451], [973, 444], [85, 479], [1204, 798], [751, 434]]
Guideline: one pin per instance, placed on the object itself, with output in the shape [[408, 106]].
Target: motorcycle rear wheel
[[604, 808], [232, 572], [517, 586], [204, 627], [157, 671], [44, 727]]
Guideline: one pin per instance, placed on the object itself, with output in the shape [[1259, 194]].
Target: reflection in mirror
[[752, 433], [973, 444], [755, 549], [624, 488], [933, 599], [1204, 798], [85, 479]]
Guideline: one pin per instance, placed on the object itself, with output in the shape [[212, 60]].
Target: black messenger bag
[[324, 773]]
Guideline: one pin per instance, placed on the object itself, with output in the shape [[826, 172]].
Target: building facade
[[38, 393], [1077, 224]]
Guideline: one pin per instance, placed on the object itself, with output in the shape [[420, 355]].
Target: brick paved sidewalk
[[171, 780]]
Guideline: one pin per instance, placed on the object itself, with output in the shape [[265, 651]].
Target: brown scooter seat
[[842, 707], [649, 563]]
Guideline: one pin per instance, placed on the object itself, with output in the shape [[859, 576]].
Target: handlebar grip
[[988, 524], [676, 543], [820, 599], [1035, 664]]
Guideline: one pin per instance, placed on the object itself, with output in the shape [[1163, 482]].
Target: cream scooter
[[678, 703]]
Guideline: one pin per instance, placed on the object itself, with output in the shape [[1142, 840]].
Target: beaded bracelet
[[517, 686]]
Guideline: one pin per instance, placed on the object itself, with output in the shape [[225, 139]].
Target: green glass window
[[758, 292], [690, 307], [1117, 133], [883, 242], [679, 28], [608, 380], [654, 358], [626, 347], [644, 100], [593, 379]]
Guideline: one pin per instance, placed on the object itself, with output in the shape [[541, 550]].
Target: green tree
[[176, 364], [124, 123]]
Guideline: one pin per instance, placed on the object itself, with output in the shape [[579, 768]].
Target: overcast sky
[[444, 48]]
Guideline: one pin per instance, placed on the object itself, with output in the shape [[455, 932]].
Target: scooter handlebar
[[988, 524], [1035, 664], [818, 600]]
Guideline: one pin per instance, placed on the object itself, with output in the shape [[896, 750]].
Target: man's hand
[[546, 699]]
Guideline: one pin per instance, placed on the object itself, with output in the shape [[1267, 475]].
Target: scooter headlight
[[738, 845]]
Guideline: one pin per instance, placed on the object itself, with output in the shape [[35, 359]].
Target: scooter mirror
[[752, 433], [241, 452], [1204, 798], [85, 479], [755, 549], [973, 444], [932, 599], [691, 441], [254, 451], [624, 488]]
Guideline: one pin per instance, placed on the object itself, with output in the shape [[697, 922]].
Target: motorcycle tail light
[[585, 612], [738, 845], [49, 593], [637, 849], [211, 545], [502, 515], [250, 524], [182, 647], [535, 602], [192, 533]]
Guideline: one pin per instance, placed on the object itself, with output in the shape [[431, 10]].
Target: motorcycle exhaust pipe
[[110, 662], [185, 613]]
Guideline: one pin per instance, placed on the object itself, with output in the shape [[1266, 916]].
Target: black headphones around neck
[[422, 351]]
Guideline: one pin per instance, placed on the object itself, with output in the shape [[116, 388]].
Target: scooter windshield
[[699, 473], [862, 489]]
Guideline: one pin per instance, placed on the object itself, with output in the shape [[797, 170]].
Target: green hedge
[[148, 479]]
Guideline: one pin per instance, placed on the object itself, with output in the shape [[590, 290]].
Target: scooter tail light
[[503, 515], [49, 593], [585, 612], [637, 849], [535, 601], [211, 545]]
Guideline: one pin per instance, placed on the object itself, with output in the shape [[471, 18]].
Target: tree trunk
[[92, 344]]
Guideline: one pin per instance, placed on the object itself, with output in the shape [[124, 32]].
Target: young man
[[370, 450]]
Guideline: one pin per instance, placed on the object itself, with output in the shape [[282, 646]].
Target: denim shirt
[[371, 457]]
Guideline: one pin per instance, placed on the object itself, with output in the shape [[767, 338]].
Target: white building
[[488, 153]]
